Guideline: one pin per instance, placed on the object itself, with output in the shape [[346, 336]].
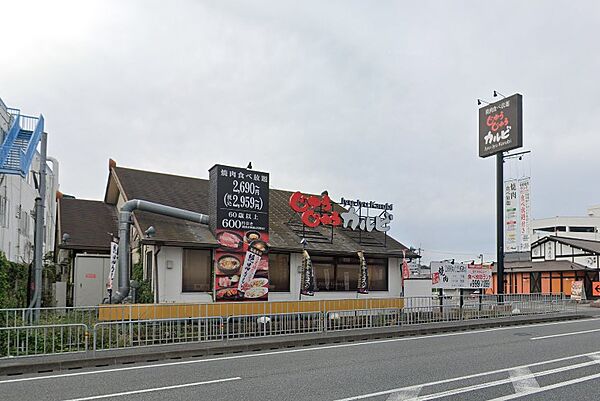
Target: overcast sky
[[368, 99]]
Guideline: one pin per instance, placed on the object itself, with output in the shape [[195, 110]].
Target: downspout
[[124, 234], [155, 273]]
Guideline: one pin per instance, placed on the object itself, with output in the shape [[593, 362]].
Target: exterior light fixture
[[150, 232]]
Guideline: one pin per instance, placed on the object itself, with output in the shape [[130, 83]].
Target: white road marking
[[405, 395], [523, 380], [573, 333], [289, 351], [483, 385], [151, 390], [550, 387]]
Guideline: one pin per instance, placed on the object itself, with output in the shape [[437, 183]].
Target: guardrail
[[65, 330]]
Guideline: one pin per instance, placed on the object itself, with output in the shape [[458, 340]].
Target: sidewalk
[[49, 363]]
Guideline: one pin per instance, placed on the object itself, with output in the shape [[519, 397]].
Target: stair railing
[[33, 142], [10, 139]]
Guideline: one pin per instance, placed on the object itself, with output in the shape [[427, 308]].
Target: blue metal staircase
[[21, 141]]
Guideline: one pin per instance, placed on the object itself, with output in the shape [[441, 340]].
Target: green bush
[[143, 293], [13, 283]]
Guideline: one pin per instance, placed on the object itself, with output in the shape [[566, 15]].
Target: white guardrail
[[70, 330]]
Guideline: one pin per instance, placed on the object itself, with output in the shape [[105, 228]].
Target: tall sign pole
[[500, 130], [500, 223]]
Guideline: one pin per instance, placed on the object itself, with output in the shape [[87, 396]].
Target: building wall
[[17, 204], [170, 281], [570, 224]]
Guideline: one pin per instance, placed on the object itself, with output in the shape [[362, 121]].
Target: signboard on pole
[[517, 212], [448, 275], [501, 126], [239, 200], [479, 276]]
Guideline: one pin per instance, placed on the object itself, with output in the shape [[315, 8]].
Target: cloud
[[367, 100]]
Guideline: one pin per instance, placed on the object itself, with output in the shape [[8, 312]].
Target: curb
[[150, 354]]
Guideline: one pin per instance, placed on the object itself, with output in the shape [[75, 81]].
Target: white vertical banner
[[511, 201], [524, 214], [114, 256]]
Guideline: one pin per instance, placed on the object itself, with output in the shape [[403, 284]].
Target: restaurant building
[[556, 262], [185, 260]]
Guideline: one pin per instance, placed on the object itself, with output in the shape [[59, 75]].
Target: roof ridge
[[158, 173], [576, 239]]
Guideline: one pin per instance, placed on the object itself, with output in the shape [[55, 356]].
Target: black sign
[[501, 126], [242, 199]]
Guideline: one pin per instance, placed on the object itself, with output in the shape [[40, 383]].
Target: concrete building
[[582, 227], [17, 197]]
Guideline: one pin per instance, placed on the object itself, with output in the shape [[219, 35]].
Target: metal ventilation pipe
[[124, 234]]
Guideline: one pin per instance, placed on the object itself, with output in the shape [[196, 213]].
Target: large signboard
[[318, 210], [501, 126], [517, 211], [448, 275], [242, 229]]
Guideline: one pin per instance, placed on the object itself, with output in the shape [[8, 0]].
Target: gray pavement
[[520, 362]]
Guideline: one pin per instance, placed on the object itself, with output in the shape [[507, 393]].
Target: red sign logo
[[497, 121], [315, 210]]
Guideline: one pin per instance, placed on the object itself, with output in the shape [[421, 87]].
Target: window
[[324, 269], [341, 274], [149, 260], [196, 270], [279, 272], [3, 211], [378, 274], [582, 229]]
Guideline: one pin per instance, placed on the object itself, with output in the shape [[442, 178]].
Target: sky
[[371, 100]]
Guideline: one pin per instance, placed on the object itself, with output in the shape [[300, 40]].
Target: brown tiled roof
[[585, 244], [192, 194], [88, 223], [171, 190]]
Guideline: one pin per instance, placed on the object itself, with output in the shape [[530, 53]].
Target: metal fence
[[43, 340], [101, 328], [142, 333], [248, 326]]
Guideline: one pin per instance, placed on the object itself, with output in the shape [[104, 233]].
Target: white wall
[[578, 221], [16, 235], [170, 282]]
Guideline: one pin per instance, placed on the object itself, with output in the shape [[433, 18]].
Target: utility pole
[[39, 228]]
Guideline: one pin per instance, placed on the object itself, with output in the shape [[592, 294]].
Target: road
[[550, 361]]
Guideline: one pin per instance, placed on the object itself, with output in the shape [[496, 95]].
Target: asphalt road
[[551, 361]]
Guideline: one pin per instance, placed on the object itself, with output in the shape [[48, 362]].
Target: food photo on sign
[[242, 266]]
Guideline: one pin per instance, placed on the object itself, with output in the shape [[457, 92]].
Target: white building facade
[[17, 205]]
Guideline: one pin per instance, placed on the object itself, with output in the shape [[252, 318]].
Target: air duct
[[124, 234]]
